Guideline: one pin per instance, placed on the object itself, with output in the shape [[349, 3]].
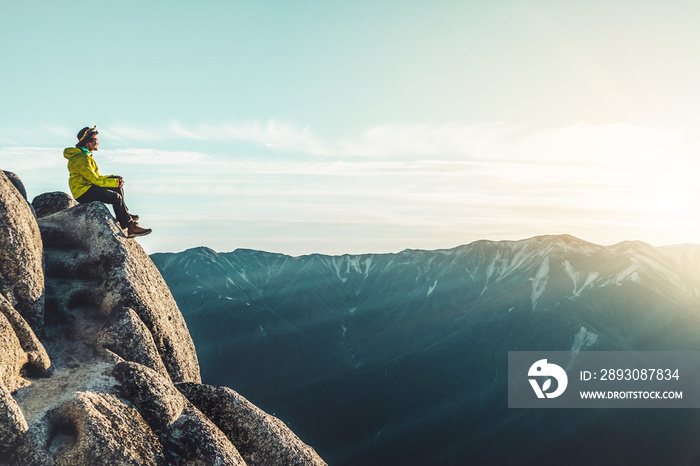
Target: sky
[[365, 126]]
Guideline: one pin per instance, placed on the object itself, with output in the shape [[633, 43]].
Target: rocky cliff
[[96, 362]]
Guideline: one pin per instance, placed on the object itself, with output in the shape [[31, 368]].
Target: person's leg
[[108, 196], [120, 191]]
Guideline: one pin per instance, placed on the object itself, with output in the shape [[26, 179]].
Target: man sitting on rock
[[87, 185]]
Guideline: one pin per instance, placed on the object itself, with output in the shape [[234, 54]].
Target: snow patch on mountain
[[577, 276], [344, 265], [243, 275], [470, 275], [432, 288], [354, 264], [631, 274], [539, 283], [368, 265], [490, 269], [582, 339], [336, 263], [519, 259], [503, 265]]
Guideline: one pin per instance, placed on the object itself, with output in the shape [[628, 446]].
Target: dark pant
[[114, 196]]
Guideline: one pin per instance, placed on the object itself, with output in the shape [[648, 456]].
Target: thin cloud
[[30, 158], [445, 141], [156, 157], [271, 134]]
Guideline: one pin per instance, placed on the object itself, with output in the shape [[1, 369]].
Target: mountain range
[[383, 359]]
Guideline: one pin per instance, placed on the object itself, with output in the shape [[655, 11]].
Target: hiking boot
[[135, 230], [134, 218]]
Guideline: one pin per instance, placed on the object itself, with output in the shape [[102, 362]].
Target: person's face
[[92, 144]]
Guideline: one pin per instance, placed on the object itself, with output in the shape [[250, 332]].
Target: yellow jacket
[[84, 173]]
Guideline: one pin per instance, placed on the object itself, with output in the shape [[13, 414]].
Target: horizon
[[378, 126], [562, 235]]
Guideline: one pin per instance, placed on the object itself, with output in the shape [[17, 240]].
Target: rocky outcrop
[[34, 359], [193, 439], [260, 438], [17, 183], [84, 243], [155, 396], [21, 276], [99, 428], [97, 356], [125, 334], [13, 425], [50, 203]]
